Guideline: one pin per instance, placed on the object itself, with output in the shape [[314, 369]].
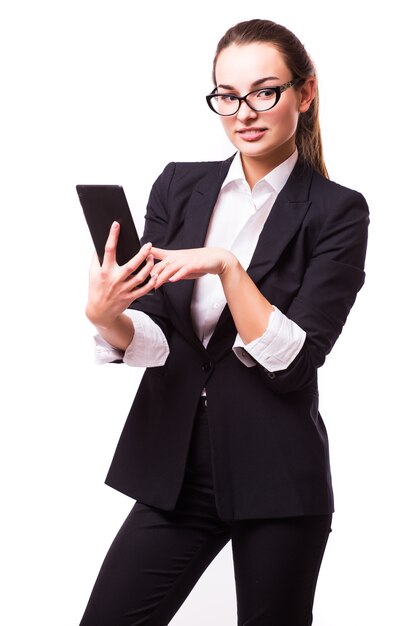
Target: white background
[[79, 106]]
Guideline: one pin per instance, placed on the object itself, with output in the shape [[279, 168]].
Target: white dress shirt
[[236, 223]]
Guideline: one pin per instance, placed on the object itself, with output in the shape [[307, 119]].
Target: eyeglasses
[[258, 100]]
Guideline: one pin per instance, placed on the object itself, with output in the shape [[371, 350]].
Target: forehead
[[242, 65]]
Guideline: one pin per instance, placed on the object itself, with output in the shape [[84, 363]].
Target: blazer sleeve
[[156, 223], [333, 277]]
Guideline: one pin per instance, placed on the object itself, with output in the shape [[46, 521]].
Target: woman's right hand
[[113, 287]]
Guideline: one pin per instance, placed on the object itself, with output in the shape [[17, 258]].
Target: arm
[[332, 279], [276, 348], [269, 336], [119, 333], [148, 347], [239, 289], [131, 320]]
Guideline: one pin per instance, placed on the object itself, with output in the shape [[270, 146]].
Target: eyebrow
[[254, 84]]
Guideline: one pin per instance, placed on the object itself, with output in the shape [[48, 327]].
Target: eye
[[227, 97], [266, 93]]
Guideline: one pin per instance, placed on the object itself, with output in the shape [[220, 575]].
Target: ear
[[307, 93]]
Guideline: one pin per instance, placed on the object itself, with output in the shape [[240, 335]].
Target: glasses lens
[[225, 104], [259, 100], [262, 99]]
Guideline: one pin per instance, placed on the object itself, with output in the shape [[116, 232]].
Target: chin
[[257, 151]]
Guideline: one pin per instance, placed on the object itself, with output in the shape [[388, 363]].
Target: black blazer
[[269, 443]]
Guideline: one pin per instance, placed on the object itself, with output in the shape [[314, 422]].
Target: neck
[[256, 167]]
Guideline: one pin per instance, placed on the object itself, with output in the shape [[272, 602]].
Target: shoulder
[[328, 202], [190, 173], [340, 219], [331, 195]]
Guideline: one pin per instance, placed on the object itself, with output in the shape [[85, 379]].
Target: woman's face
[[267, 136]]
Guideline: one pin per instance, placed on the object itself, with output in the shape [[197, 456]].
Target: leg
[[277, 562], [158, 556], [151, 567]]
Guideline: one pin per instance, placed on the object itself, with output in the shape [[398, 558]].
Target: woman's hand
[[190, 264], [113, 287], [249, 308]]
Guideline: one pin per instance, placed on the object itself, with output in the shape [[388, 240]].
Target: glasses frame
[[278, 91]]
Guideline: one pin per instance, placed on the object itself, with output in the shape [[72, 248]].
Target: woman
[[260, 260]]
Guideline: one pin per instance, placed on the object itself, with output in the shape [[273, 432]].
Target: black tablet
[[103, 205]]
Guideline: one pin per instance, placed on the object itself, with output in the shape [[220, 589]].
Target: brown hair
[[308, 136]]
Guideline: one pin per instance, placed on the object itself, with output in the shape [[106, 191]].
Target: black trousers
[[158, 556]]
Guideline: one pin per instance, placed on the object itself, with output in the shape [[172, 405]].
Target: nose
[[245, 112]]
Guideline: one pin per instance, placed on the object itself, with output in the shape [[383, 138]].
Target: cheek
[[227, 125], [284, 117]]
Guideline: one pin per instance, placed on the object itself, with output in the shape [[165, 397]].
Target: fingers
[[174, 265], [109, 258], [133, 282], [184, 273], [159, 253], [142, 289], [132, 265], [187, 264], [163, 270], [172, 270]]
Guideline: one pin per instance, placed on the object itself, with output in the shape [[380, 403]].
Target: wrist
[[119, 333], [229, 264], [100, 321]]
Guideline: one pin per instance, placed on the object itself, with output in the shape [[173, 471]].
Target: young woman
[[260, 260]]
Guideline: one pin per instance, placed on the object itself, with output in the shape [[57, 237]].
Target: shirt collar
[[276, 178]]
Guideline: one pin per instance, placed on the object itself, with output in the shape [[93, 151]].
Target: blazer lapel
[[284, 220], [196, 221], [201, 205]]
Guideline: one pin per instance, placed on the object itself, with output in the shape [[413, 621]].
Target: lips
[[251, 133]]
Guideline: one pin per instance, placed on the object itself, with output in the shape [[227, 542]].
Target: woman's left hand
[[190, 263]]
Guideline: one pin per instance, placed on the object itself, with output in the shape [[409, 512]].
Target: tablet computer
[[102, 205]]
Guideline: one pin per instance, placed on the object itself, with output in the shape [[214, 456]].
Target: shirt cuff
[[148, 348], [276, 348], [105, 352]]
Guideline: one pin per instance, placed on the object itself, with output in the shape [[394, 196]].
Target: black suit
[[252, 467], [269, 443]]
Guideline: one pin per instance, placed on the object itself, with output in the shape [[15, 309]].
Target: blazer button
[[271, 374], [206, 366]]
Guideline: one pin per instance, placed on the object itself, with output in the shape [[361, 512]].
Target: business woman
[[260, 258]]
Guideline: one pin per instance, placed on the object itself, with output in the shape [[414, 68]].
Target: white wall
[[78, 106]]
